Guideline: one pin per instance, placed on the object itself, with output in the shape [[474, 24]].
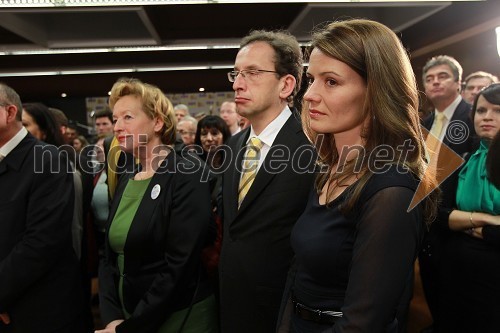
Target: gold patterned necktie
[[250, 163], [433, 142], [438, 125]]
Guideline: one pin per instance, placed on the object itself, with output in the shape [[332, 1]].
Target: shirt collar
[[13, 142], [268, 135], [448, 112]]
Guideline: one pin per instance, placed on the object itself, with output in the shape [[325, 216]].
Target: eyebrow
[[439, 73], [326, 73]]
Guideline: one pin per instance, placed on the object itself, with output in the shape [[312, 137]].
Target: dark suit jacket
[[461, 147], [162, 251], [39, 274], [256, 251], [429, 257]]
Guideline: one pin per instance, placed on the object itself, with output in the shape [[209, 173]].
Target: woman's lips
[[315, 113]]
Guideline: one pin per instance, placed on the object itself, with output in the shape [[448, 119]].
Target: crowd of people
[[276, 216]]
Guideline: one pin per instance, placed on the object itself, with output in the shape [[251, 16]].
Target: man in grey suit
[[39, 273], [264, 193]]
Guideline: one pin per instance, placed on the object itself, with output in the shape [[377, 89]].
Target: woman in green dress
[[151, 280]]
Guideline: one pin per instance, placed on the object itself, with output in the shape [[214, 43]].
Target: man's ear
[[287, 85], [11, 113]]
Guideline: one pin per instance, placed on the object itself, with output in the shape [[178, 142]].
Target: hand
[[111, 327], [477, 232], [4, 317]]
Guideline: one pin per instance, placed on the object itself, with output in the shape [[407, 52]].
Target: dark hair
[[491, 93], [104, 113], [46, 122], [212, 122], [493, 161], [59, 116], [288, 54]]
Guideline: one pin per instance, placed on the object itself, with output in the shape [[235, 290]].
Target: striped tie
[[433, 143], [438, 125], [250, 163]]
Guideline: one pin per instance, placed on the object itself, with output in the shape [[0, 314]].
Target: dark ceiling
[[464, 29]]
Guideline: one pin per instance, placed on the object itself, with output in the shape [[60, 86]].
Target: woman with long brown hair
[[356, 243]]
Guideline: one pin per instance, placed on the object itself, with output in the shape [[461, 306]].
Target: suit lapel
[[238, 153], [144, 215], [461, 113], [16, 157], [286, 137]]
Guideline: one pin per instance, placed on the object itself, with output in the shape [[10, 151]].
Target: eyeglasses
[[250, 74], [181, 132]]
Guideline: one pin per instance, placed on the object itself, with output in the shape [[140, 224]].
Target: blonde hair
[[391, 105], [154, 104]]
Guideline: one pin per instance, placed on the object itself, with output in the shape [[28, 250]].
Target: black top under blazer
[[162, 250]]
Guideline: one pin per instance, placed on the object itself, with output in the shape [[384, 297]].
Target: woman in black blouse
[[358, 238]]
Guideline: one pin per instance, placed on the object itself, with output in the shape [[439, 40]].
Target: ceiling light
[[113, 70], [64, 95], [201, 89], [119, 49], [100, 3], [182, 47], [497, 30]]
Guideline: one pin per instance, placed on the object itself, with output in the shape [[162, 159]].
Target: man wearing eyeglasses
[[40, 288], [262, 200]]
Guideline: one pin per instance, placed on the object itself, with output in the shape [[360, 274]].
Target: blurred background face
[[229, 114], [187, 131], [486, 119], [70, 134], [77, 144], [179, 114], [210, 138], [474, 86], [32, 126], [104, 126]]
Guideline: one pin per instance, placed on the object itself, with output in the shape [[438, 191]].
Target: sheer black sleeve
[[387, 243]]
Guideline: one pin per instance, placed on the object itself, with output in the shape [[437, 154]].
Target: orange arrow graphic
[[442, 164]]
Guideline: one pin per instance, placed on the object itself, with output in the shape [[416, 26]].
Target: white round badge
[[155, 192]]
